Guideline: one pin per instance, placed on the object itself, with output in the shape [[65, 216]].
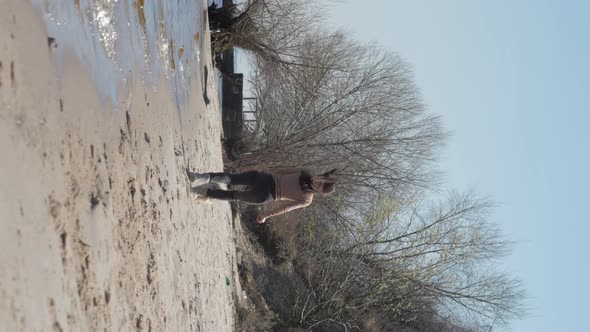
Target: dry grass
[[285, 232], [265, 255], [255, 315], [252, 312]]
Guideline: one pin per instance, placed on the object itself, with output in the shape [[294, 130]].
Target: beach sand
[[98, 228]]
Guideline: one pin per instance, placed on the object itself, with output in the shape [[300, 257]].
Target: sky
[[511, 82]]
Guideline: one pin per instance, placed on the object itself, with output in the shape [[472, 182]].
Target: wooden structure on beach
[[232, 103], [232, 93]]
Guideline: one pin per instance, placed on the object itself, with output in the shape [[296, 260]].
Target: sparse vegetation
[[389, 252]]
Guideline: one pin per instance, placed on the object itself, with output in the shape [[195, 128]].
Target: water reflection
[[119, 40]]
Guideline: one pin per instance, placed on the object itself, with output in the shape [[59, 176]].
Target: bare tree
[[341, 104], [269, 29], [419, 265]]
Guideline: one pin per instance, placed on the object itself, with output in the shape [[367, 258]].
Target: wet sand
[[98, 228]]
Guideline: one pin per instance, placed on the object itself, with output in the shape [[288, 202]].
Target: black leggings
[[261, 187]]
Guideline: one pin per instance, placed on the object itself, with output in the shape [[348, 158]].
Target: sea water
[[120, 41]]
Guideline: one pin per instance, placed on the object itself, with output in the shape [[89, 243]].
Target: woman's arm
[[283, 208]]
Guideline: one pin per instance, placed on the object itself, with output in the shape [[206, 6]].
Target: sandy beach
[[98, 228]]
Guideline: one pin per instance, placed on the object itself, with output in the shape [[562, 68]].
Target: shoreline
[[99, 228]]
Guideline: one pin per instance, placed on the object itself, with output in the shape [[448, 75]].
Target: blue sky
[[511, 81]]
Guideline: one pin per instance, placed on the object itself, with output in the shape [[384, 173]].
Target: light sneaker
[[197, 178], [200, 194]]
